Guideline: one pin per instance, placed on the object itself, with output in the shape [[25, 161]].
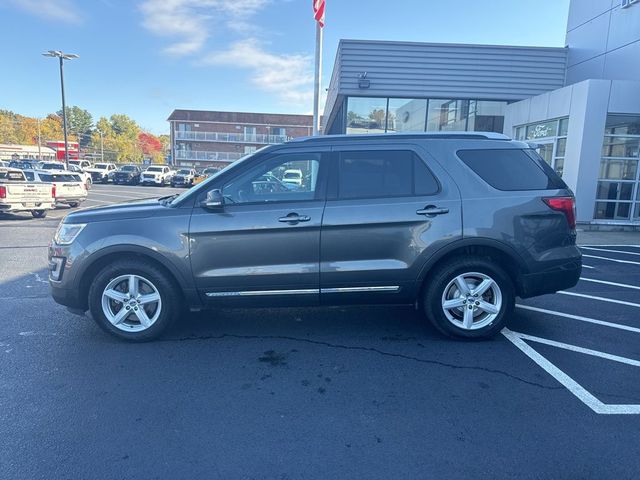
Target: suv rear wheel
[[469, 297], [133, 300]]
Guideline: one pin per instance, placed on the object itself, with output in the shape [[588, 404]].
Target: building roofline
[[445, 44]]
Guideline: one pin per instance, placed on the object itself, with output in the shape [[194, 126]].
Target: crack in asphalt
[[364, 349]]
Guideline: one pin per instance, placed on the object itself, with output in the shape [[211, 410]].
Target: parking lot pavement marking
[[575, 348], [615, 245], [123, 196], [614, 284], [587, 266], [610, 251], [98, 201], [611, 259], [579, 318], [601, 299], [569, 383]]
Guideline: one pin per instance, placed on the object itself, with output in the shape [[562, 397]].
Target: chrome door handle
[[432, 211], [294, 218]]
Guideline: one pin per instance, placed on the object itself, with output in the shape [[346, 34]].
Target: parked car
[[127, 175], [85, 176], [157, 175], [293, 177], [4, 164], [456, 224], [184, 178], [70, 188], [83, 164], [24, 164], [206, 173], [57, 166], [19, 195], [102, 172]]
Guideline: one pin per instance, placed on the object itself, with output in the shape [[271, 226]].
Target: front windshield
[[184, 172], [128, 168], [154, 169], [101, 166]]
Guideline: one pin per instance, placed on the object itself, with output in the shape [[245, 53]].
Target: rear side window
[[390, 173], [512, 169]]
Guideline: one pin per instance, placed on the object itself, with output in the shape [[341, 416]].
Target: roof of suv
[[407, 136]]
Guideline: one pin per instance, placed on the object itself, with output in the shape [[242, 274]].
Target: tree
[[80, 123], [8, 127]]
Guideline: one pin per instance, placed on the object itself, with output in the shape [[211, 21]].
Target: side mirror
[[215, 200]]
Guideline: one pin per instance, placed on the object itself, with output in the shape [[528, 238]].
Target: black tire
[[169, 294], [441, 278], [74, 204], [88, 184], [38, 213], [162, 183], [105, 179]]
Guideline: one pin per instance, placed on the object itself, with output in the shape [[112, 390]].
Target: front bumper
[[559, 277]]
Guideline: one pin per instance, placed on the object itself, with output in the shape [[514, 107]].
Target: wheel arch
[[513, 264], [102, 258]]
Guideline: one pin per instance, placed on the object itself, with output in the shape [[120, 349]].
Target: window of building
[[406, 115], [366, 115], [551, 138], [383, 174], [448, 115], [250, 134], [511, 169], [618, 193]]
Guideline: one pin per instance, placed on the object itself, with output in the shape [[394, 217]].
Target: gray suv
[[456, 224]]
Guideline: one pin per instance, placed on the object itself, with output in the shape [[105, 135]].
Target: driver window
[[287, 177]]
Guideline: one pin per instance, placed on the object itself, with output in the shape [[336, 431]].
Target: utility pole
[[63, 56], [39, 140]]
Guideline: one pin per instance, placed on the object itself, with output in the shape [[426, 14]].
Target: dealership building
[[579, 104]]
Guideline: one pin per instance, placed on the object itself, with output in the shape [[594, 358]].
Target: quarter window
[[370, 174]]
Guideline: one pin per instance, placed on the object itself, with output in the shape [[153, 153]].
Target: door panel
[[261, 252], [372, 249]]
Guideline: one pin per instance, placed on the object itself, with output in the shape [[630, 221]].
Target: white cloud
[[58, 10], [288, 77], [190, 20]]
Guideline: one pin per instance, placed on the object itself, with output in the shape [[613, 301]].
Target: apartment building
[[208, 138]]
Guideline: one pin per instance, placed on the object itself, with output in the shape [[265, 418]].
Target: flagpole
[[316, 83]]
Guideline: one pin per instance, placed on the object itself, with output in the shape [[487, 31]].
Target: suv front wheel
[[469, 297], [133, 300]]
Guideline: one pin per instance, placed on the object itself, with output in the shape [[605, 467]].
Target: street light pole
[[63, 56]]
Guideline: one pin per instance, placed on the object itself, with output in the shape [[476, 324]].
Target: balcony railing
[[210, 156], [231, 137]]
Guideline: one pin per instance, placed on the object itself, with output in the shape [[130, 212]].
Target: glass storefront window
[[563, 127], [542, 130], [561, 147], [621, 147], [614, 190], [622, 125], [406, 115], [618, 169], [486, 116], [366, 115], [447, 115]]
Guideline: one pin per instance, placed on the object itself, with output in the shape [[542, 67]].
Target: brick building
[[205, 138]]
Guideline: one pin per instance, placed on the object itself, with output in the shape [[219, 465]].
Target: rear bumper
[[21, 207], [551, 280]]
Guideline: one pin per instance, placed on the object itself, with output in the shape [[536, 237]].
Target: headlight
[[67, 233]]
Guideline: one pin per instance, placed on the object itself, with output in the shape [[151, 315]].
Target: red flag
[[318, 11]]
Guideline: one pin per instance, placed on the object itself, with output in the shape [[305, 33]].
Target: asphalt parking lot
[[366, 392]]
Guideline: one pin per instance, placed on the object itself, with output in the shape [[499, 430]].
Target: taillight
[[566, 205], [3, 192], [53, 191]]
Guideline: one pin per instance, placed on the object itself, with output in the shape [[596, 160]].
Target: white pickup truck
[[19, 195], [70, 188], [157, 175]]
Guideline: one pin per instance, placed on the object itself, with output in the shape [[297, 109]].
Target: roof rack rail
[[413, 136]]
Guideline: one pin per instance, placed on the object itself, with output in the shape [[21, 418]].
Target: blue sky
[[147, 57]]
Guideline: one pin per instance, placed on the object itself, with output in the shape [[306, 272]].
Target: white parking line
[[586, 351], [587, 266], [601, 299], [615, 284], [97, 201], [611, 259], [580, 318], [610, 251], [569, 383]]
